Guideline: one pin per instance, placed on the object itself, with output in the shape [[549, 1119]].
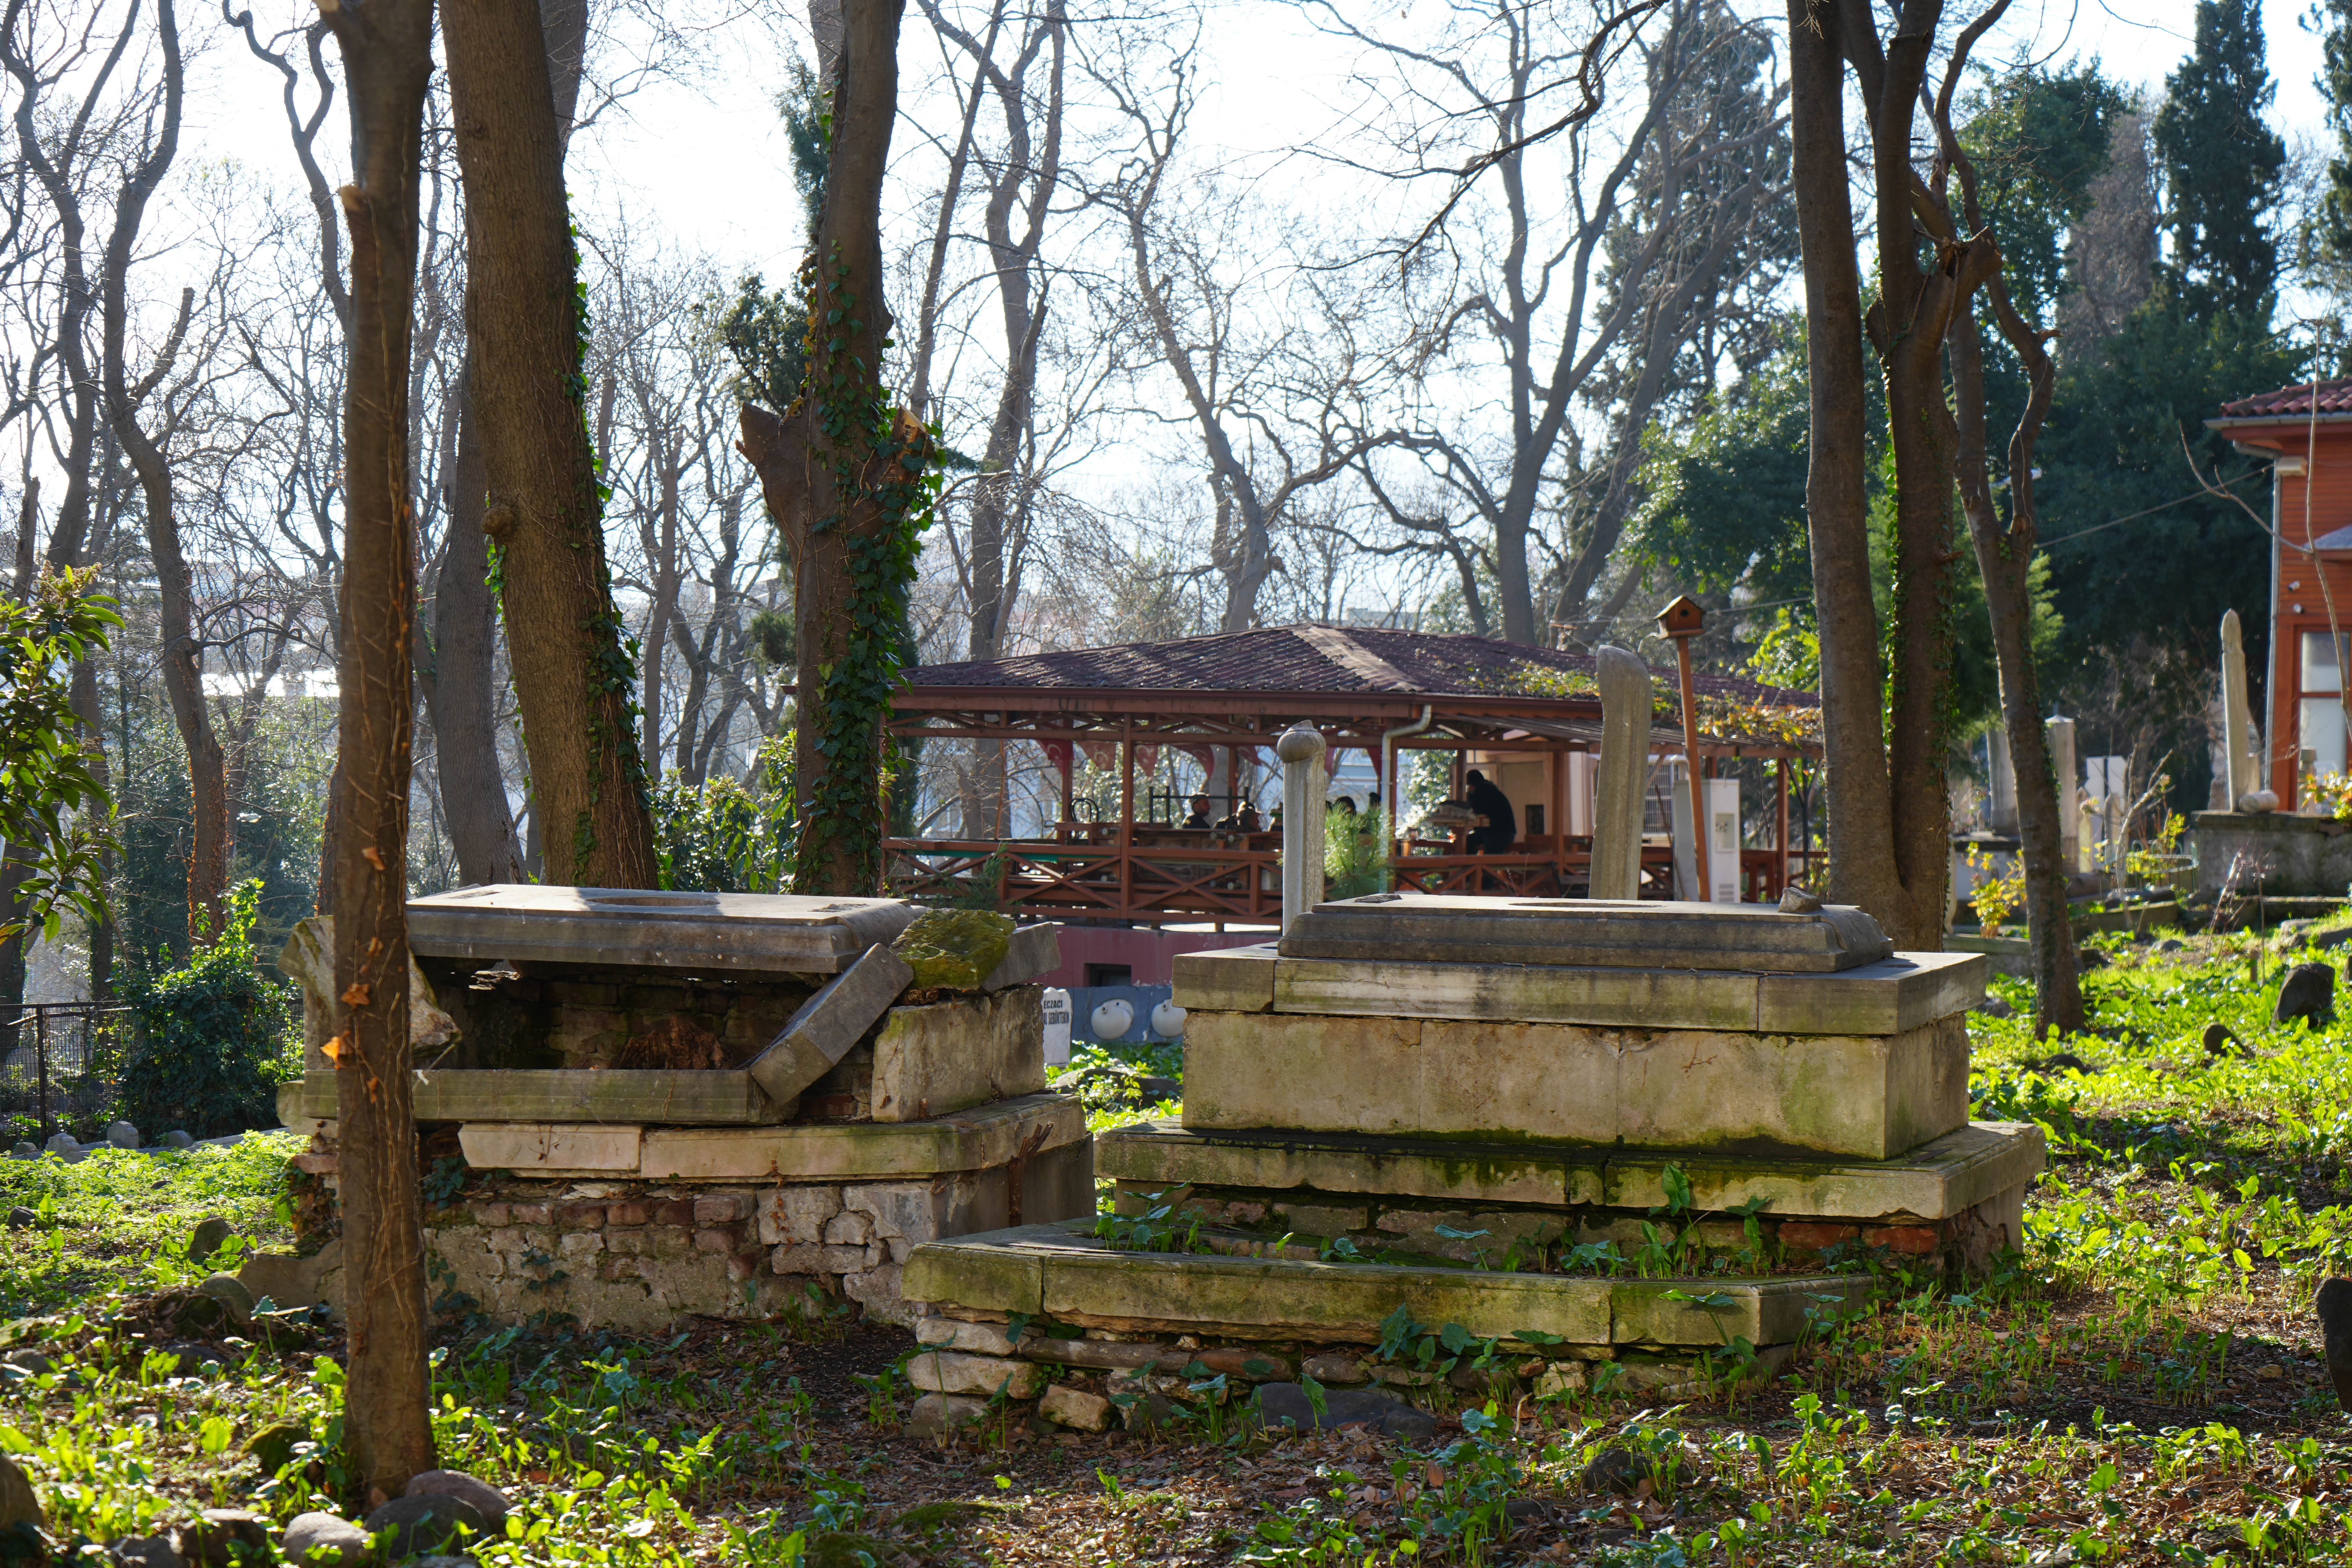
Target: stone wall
[[972, 1372], [2307, 857], [640, 1255]]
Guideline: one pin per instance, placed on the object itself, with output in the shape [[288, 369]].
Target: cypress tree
[[2335, 83], [2223, 166]]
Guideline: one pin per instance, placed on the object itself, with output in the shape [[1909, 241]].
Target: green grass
[[119, 1221], [2142, 1384]]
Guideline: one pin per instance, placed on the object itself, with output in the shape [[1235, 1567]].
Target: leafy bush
[[211, 1041], [723, 838]]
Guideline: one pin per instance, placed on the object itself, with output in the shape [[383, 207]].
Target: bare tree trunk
[[388, 1432], [182, 655], [571, 675], [1837, 506], [661, 540], [1890, 815], [2005, 560], [461, 693]]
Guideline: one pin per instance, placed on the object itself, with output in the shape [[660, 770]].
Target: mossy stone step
[[1068, 1274]]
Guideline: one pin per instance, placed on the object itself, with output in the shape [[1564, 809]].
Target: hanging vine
[[886, 476]]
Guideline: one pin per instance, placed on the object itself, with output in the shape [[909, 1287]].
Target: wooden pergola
[[1384, 691]]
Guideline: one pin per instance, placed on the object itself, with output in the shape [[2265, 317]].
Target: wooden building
[[2306, 432], [1529, 718]]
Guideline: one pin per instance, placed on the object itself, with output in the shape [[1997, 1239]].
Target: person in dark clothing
[[1199, 817], [1501, 829]]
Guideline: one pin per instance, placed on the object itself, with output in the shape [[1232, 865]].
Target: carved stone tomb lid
[[1588, 934], [644, 926]]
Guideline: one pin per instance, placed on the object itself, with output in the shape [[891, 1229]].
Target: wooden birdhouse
[[1683, 618]]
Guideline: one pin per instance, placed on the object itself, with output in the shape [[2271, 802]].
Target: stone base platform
[[1110, 1336], [1951, 1203], [634, 1227]]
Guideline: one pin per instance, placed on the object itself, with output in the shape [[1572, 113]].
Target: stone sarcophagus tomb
[[664, 1103], [1548, 1115]]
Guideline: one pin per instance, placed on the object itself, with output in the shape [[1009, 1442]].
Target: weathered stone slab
[[1169, 1153], [818, 1035], [1232, 980], [1582, 932], [1649, 998], [1066, 1273], [1871, 1095], [1884, 998], [1889, 997], [562, 1094], [769, 932], [965, 1051], [1033, 950], [528, 1147], [1866, 1095], [956, 948], [1763, 1311], [1936, 1181], [967, 1140], [958, 1372]]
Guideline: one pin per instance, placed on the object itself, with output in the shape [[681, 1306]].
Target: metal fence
[[65, 1063]]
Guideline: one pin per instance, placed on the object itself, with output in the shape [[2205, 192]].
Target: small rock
[[1622, 1470], [147, 1551], [446, 1559], [231, 1293], [2335, 1307], [1287, 1405], [2090, 957], [18, 1502], [939, 1417], [225, 1535], [2220, 1042], [2308, 994], [411, 1525], [23, 1149], [22, 1218], [123, 1135], [488, 1501], [1067, 1406], [207, 1238], [195, 1354], [2328, 940], [62, 1144], [1335, 1367], [2172, 944], [272, 1448], [179, 1138], [26, 1363], [324, 1539], [1995, 1007], [1799, 901], [2065, 1061]]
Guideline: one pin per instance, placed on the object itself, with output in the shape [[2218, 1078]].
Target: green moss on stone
[[954, 950]]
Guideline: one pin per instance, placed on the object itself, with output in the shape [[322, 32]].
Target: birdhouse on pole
[[1683, 618]]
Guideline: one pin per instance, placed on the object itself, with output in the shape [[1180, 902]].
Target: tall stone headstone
[[2235, 721], [2001, 816], [1303, 787], [2061, 732], [1623, 775]]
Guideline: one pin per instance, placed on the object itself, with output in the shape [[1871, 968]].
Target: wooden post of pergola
[[1781, 805]]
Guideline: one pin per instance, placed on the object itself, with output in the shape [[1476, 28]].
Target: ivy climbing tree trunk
[[849, 481], [575, 680], [388, 1431]]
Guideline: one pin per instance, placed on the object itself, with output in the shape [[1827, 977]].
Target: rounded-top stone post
[[1624, 775], [1301, 751]]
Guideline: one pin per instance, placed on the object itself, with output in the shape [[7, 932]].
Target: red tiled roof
[[2292, 401], [1322, 660]]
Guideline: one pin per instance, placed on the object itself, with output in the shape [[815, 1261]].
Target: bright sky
[[703, 161]]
